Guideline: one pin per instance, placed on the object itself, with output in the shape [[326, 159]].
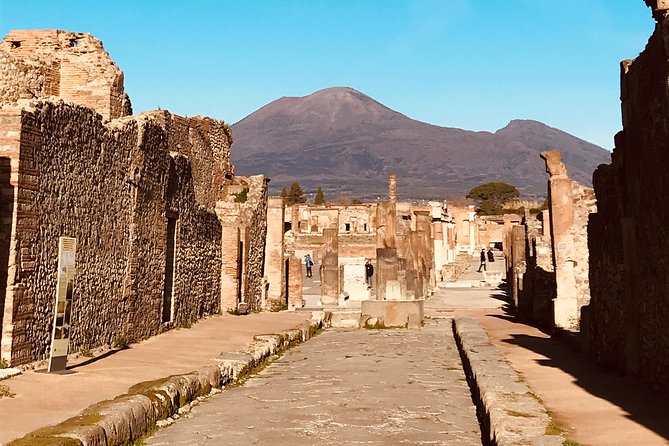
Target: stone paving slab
[[372, 387]]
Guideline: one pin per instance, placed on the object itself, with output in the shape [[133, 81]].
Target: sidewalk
[[596, 408], [43, 399]]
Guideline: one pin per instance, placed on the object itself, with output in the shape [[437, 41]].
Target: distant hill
[[348, 143]]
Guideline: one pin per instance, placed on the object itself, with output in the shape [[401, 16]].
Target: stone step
[[346, 318]]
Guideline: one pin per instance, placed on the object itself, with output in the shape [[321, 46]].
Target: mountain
[[348, 143]]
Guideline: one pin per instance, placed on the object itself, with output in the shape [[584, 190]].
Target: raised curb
[[509, 412], [137, 413], [9, 372]]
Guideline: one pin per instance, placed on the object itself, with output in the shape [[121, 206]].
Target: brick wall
[[72, 66]]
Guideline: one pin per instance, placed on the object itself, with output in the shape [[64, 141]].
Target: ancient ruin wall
[[250, 219], [205, 142], [570, 205], [535, 301], [257, 233], [111, 187], [39, 64], [629, 235]]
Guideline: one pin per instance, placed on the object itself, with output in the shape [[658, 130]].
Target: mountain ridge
[[348, 142]]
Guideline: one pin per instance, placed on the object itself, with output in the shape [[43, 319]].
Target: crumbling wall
[[536, 302], [628, 237], [257, 232], [111, 187], [570, 205], [73, 66], [249, 218], [26, 79]]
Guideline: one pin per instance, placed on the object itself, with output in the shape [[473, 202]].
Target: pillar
[[295, 218], [294, 283], [386, 269], [330, 277], [472, 232], [518, 261], [231, 267], [274, 261], [561, 199]]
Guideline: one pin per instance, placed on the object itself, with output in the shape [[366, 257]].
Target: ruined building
[[547, 254], [626, 321], [139, 193]]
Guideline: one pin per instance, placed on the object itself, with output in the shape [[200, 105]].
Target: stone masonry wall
[[628, 237], [112, 187], [536, 300], [26, 79], [253, 286]]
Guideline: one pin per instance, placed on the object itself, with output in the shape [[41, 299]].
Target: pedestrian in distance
[[369, 272], [483, 260], [309, 264], [491, 255]]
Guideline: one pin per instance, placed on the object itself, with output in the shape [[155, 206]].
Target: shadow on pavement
[[97, 358], [642, 406]]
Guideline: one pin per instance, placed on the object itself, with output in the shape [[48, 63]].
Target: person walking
[[369, 272], [483, 258], [309, 264]]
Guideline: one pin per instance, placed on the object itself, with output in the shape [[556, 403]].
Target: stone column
[[440, 257], [472, 232], [295, 218], [294, 283], [392, 189], [426, 248], [274, 261], [386, 269], [386, 216], [518, 261], [330, 278], [450, 237], [566, 306]]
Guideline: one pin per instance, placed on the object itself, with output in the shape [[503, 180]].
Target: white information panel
[[60, 338]]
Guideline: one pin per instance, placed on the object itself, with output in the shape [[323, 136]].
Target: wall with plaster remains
[[626, 321]]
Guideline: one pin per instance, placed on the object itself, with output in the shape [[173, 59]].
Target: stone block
[[395, 313]]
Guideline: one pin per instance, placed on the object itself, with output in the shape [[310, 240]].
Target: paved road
[[372, 387]]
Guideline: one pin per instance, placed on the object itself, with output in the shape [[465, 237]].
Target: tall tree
[[295, 194], [319, 198], [491, 197], [284, 193]]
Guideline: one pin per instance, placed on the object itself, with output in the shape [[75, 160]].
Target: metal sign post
[[60, 338]]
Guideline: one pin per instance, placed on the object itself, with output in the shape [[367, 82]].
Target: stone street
[[377, 387]]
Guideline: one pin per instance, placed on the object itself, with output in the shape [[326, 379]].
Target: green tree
[[295, 194], [284, 193], [491, 197], [319, 198], [356, 201], [241, 197]]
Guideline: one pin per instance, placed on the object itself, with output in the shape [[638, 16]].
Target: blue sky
[[473, 64]]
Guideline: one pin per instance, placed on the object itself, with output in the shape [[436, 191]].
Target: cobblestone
[[373, 387]]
